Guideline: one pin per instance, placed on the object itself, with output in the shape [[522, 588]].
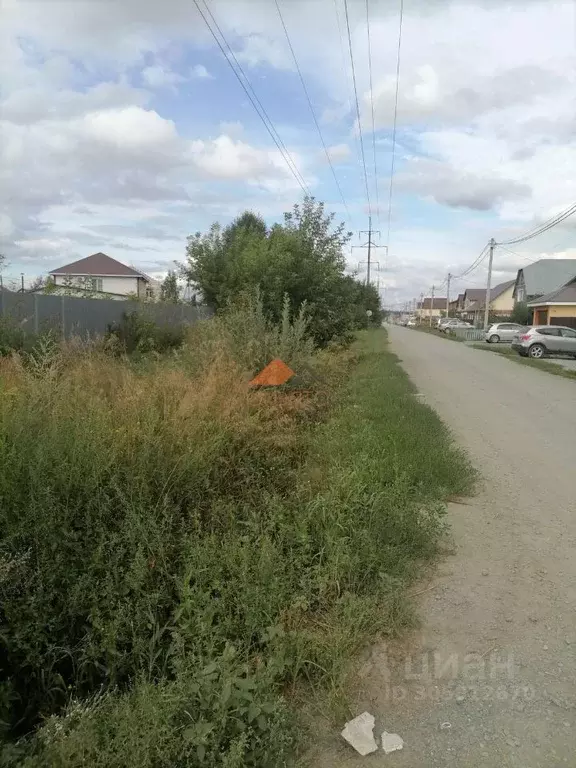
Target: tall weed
[[176, 549]]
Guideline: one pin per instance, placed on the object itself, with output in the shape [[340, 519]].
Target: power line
[[372, 111], [305, 89], [254, 100], [357, 107], [393, 161], [554, 221], [475, 264], [513, 253]]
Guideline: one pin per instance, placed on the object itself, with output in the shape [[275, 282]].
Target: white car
[[453, 324]]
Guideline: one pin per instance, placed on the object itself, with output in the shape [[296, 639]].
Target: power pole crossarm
[[489, 283]]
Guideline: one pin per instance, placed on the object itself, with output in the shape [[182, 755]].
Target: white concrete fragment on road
[[358, 733], [391, 742]]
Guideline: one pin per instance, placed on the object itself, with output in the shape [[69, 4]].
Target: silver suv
[[542, 340], [502, 332]]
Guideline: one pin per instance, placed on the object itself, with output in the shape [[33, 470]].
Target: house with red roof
[[101, 275]]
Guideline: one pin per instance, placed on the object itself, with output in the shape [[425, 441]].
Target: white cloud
[[158, 76], [226, 158], [339, 152], [486, 113], [201, 73], [129, 128], [234, 128]]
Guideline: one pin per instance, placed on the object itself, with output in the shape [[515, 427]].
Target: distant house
[[102, 275], [429, 307], [502, 298], [501, 301], [557, 307], [543, 277]]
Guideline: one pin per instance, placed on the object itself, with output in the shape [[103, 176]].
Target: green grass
[[541, 365], [435, 332], [179, 555]]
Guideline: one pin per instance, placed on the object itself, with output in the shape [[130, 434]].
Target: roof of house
[[566, 294], [547, 275], [100, 265], [475, 294], [439, 303], [499, 289], [479, 295]]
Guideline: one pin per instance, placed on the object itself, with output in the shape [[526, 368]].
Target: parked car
[[454, 324], [412, 323], [541, 340], [503, 332], [445, 321]]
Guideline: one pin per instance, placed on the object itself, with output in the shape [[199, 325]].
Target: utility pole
[[431, 305], [488, 282], [421, 315], [369, 245], [448, 294]]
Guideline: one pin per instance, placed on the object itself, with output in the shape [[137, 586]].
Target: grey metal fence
[[73, 316], [469, 334]]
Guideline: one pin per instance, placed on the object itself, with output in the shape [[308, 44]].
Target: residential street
[[490, 678]]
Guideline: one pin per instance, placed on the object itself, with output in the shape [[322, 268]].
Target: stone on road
[[495, 659], [359, 734]]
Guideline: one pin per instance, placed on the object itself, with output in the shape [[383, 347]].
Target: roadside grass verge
[[542, 365], [435, 332], [179, 554]]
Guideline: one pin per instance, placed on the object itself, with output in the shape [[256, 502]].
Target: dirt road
[[490, 680]]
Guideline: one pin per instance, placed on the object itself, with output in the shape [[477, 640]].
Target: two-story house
[[542, 277]]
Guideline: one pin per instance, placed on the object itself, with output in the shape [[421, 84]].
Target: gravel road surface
[[490, 679]]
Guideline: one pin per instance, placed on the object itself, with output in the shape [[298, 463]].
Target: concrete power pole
[[421, 315], [448, 294], [431, 305], [489, 282]]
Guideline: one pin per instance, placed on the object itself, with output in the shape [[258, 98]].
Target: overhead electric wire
[[254, 100], [513, 253], [475, 264], [372, 111], [357, 108], [316, 123], [393, 160], [554, 221]]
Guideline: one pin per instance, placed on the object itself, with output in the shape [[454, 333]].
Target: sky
[[123, 129]]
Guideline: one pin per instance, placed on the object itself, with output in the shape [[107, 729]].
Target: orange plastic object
[[275, 374]]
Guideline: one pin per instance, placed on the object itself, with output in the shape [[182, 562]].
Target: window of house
[[94, 284]]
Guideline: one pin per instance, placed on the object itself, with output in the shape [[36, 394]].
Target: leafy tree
[[301, 258], [521, 313], [169, 291]]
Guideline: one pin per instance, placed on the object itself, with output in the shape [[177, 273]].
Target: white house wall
[[117, 285]]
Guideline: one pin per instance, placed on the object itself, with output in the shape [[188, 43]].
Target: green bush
[[137, 333], [302, 259], [13, 338], [175, 549], [245, 333]]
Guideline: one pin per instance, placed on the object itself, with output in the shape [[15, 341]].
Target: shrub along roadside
[[193, 547]]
